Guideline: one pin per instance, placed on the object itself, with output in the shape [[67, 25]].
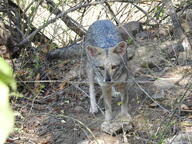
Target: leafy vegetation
[[6, 114]]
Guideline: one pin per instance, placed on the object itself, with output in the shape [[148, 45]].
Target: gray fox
[[107, 63], [106, 58]]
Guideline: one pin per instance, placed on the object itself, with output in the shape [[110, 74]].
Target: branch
[[62, 14], [18, 10], [178, 31], [112, 13], [71, 23]]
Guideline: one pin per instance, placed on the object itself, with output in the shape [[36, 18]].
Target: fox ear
[[93, 51], [120, 48]]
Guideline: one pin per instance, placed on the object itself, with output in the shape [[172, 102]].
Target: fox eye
[[101, 67], [113, 67]]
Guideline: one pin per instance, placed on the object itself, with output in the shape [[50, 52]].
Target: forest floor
[[54, 106]]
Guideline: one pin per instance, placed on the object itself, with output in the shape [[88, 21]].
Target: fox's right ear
[[93, 51]]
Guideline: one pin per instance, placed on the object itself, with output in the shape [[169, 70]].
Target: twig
[[139, 8], [71, 23], [178, 30], [25, 18], [151, 97], [64, 13], [68, 117], [107, 6]]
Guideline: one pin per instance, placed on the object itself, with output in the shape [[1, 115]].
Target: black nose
[[108, 78]]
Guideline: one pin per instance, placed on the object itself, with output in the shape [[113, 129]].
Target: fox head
[[108, 63]]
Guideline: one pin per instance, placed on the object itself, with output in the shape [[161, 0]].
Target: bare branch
[[178, 31], [71, 23], [64, 13]]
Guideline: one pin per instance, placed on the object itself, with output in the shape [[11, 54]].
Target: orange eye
[[113, 67]]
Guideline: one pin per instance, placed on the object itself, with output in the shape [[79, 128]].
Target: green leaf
[[6, 74], [129, 41], [6, 114]]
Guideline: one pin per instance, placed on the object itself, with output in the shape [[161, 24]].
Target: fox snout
[[107, 77]]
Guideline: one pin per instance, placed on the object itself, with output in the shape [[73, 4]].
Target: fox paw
[[93, 110], [124, 117], [115, 126]]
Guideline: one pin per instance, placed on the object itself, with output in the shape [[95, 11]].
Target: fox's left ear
[[120, 48]]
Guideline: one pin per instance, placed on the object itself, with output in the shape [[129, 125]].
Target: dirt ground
[[57, 112]]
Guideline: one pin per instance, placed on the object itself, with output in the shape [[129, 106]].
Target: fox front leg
[[90, 75], [124, 100], [107, 95]]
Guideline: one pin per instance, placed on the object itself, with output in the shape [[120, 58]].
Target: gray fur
[[103, 34]]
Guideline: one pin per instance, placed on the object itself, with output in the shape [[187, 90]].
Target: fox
[[106, 63], [106, 53]]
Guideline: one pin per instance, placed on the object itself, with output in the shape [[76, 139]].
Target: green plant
[[129, 41], [164, 131], [6, 114], [159, 12]]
